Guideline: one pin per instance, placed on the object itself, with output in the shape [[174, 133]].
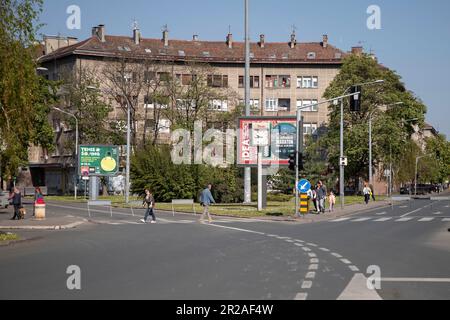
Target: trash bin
[[39, 211]]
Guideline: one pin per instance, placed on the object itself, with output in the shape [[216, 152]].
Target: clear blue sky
[[414, 39]]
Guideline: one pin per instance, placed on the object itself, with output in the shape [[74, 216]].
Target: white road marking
[[306, 249], [354, 268], [310, 275], [404, 219], [446, 219], [301, 296], [324, 249], [341, 219], [290, 241], [383, 219], [314, 267], [426, 219], [437, 280], [236, 229], [299, 245], [437, 213], [312, 255], [381, 213], [314, 260], [346, 261], [417, 210], [337, 255], [307, 285], [357, 290], [312, 244], [301, 241], [361, 219]]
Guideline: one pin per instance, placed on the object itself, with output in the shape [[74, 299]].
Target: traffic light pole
[[297, 148], [342, 167]]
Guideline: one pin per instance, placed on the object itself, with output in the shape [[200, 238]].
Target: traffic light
[[293, 160], [355, 99]]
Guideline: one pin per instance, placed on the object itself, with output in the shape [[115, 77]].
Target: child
[[332, 201]]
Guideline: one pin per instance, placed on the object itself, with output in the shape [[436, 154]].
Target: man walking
[[149, 201], [321, 195], [206, 199], [16, 198]]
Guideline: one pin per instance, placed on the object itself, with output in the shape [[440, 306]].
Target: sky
[[414, 39]]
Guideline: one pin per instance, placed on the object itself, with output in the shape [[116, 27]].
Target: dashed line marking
[[301, 296], [306, 284], [337, 255], [381, 213], [383, 219], [312, 244], [361, 219], [354, 268], [290, 241], [306, 249], [299, 245], [324, 249], [310, 275], [404, 219], [314, 267], [340, 220], [314, 260], [346, 261], [446, 219], [426, 219], [312, 255], [437, 213]]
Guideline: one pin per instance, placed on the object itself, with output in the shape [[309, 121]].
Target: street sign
[[304, 186], [98, 161], [343, 161]]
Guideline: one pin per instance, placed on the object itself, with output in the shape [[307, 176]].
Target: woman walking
[[367, 192], [149, 201]]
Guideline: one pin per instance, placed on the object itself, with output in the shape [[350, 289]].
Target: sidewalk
[[51, 223]]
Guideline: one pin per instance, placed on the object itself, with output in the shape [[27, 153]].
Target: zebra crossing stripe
[[383, 219], [404, 219], [426, 219], [361, 219], [341, 219], [446, 219]]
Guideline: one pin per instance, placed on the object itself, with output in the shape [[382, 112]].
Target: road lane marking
[[417, 210], [357, 290], [437, 213], [346, 261], [361, 219], [312, 244], [236, 229], [341, 219], [310, 275], [307, 285], [306, 249], [324, 249], [298, 244], [381, 213], [404, 219], [314, 267], [354, 268], [337, 255], [426, 219], [436, 280], [383, 219], [301, 296], [446, 219], [312, 255], [314, 261]]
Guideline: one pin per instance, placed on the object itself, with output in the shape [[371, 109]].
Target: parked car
[[4, 203]]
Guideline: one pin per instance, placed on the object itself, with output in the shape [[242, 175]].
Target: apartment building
[[284, 75]]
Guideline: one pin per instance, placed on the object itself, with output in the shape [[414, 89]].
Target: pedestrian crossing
[[392, 219], [166, 221]]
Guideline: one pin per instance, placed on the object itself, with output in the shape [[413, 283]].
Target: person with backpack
[[149, 202]]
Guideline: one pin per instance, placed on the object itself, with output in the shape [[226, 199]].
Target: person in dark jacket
[[149, 202], [16, 199], [321, 196]]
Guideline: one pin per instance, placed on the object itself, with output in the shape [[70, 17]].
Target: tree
[[389, 130], [438, 151], [24, 96]]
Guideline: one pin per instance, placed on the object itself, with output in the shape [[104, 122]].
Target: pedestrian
[[321, 196], [206, 199], [149, 202], [366, 192], [38, 199], [16, 199], [332, 201], [313, 196], [372, 192]]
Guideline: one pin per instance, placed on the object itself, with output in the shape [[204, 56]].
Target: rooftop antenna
[[229, 29], [135, 24], [165, 28], [294, 29]]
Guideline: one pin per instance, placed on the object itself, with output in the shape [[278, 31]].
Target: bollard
[[39, 213]]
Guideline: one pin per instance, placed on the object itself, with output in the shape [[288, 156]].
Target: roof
[[205, 51]]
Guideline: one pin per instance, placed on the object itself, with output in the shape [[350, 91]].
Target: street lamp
[[127, 171], [76, 145], [370, 141], [342, 166]]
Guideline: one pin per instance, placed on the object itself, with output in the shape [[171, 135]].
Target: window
[[149, 76], [219, 105], [284, 104], [164, 126], [271, 105], [306, 102], [149, 103], [309, 128], [278, 81], [254, 82], [163, 76], [308, 82], [311, 55], [254, 104], [218, 81]]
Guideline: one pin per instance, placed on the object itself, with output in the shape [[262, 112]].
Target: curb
[[61, 227]]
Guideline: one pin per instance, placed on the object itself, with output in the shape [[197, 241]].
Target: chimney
[[99, 32], [136, 36], [165, 37], [293, 40], [357, 50], [230, 41], [195, 37], [262, 40], [325, 41]]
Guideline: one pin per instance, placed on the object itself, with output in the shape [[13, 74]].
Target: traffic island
[[50, 223]]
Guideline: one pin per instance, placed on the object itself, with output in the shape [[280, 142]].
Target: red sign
[[283, 141]]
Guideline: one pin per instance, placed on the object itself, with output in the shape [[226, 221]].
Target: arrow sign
[[304, 186]]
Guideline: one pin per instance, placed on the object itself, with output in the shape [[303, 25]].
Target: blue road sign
[[304, 186]]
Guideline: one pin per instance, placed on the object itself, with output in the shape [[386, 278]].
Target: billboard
[[283, 140], [98, 161]]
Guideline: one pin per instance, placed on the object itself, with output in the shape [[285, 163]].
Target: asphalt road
[[179, 258]]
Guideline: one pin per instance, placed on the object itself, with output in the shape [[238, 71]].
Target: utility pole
[[248, 170]]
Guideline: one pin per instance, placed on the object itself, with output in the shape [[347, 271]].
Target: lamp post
[[342, 166], [76, 146], [247, 170]]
